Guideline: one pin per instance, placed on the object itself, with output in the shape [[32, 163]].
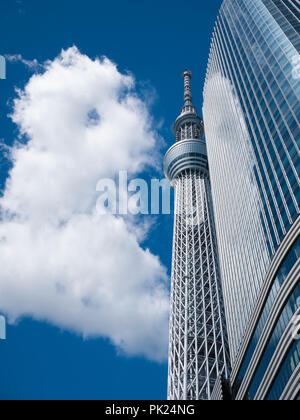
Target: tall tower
[[198, 342], [252, 125]]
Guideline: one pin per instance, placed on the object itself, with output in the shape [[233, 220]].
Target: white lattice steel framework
[[198, 351]]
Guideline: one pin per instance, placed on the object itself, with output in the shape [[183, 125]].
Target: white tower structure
[[198, 349]]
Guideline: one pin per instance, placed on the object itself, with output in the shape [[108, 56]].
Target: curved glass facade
[[285, 317], [286, 266], [252, 124], [285, 372]]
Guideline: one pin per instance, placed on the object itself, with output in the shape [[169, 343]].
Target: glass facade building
[[252, 125]]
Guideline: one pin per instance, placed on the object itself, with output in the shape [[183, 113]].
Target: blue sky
[[155, 41]]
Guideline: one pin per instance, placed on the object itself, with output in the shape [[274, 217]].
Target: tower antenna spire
[[189, 124], [188, 100]]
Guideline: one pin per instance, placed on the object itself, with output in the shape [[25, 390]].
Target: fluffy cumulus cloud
[[61, 262]]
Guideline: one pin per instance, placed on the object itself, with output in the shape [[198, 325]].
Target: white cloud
[[60, 262]]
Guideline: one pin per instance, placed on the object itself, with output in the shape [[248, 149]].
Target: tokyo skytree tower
[[198, 348]]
